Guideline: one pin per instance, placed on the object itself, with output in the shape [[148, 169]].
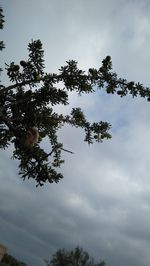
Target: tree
[[9, 260], [76, 257], [29, 101]]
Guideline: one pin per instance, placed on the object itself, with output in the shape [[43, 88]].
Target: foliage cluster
[[9, 260], [75, 257]]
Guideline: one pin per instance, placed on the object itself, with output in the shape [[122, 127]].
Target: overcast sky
[[103, 202]]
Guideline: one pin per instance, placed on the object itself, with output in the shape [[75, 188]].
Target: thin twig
[[67, 150]]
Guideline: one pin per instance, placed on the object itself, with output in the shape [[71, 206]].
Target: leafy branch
[[29, 102]]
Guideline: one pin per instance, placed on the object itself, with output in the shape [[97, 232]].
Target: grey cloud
[[102, 203]]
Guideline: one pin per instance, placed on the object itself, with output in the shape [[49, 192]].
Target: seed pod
[[120, 92], [23, 63]]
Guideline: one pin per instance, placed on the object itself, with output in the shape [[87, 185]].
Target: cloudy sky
[[103, 202]]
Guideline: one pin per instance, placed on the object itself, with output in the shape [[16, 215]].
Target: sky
[[103, 202]]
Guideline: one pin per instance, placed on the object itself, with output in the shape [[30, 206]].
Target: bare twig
[[66, 150]]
